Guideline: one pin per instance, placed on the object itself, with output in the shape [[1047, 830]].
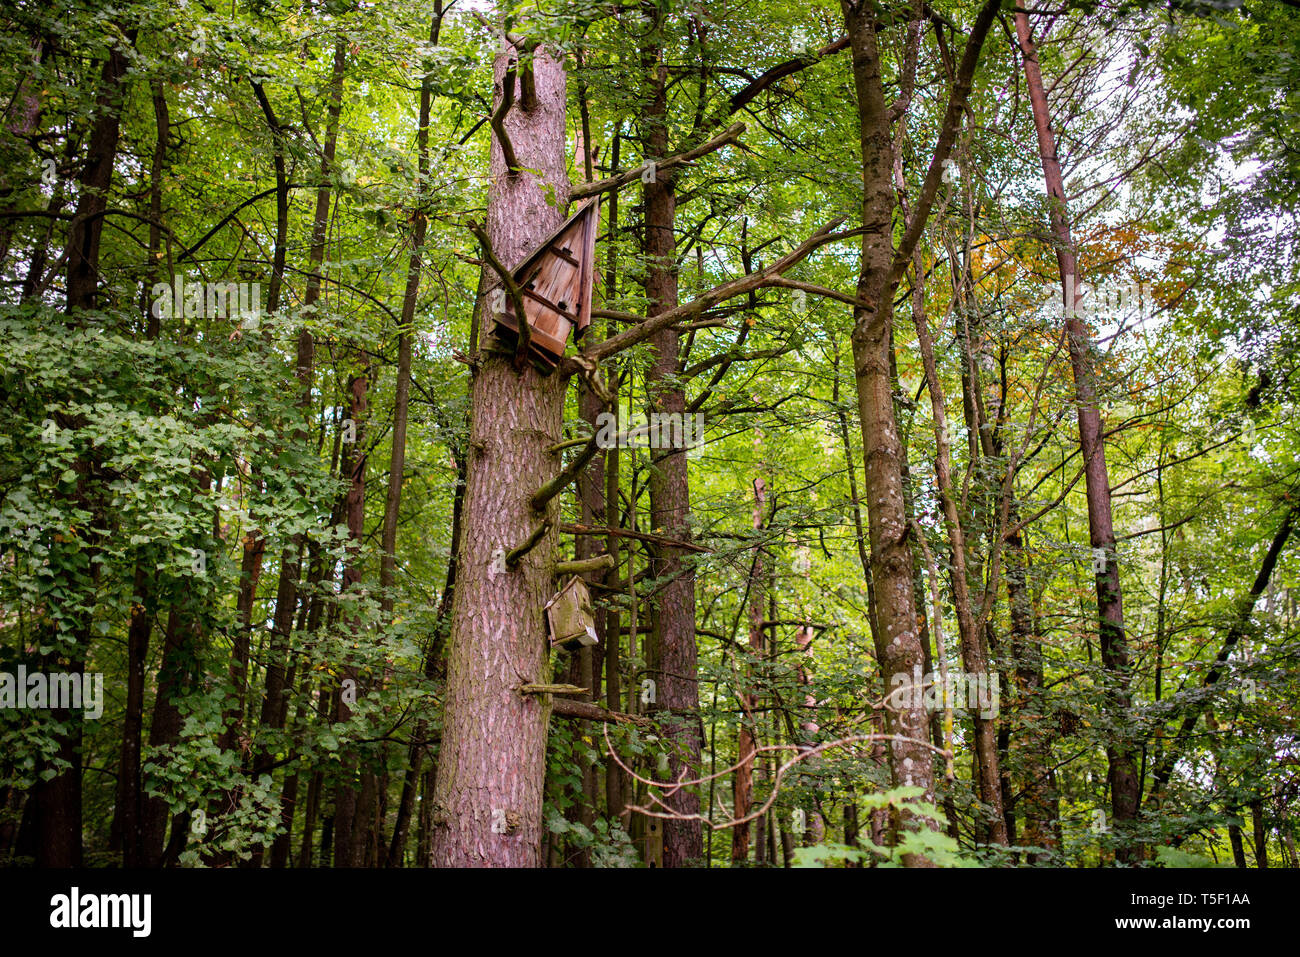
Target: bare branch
[[567, 474], [729, 135], [737, 287], [584, 566], [519, 551], [512, 289]]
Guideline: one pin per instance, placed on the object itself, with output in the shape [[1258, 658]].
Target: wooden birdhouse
[[570, 618], [556, 281]]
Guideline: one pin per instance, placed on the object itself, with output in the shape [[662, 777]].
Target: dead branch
[[737, 287], [519, 551], [498, 120], [586, 711], [802, 753], [512, 289], [619, 180], [584, 566], [567, 474]]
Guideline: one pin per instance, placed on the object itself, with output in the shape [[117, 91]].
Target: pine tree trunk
[[673, 621], [492, 760]]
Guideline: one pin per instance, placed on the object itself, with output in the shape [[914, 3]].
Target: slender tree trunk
[[808, 731], [254, 544], [1164, 768], [129, 799], [405, 333], [274, 706], [96, 177], [615, 783], [130, 804], [432, 666], [1238, 848], [57, 800], [899, 647], [1261, 834], [175, 676], [742, 780], [1036, 779], [1125, 784], [351, 811], [972, 649], [673, 621], [22, 117]]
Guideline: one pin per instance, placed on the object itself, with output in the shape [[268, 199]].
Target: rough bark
[[673, 618], [491, 763]]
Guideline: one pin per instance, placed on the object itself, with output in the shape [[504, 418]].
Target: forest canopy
[[660, 434]]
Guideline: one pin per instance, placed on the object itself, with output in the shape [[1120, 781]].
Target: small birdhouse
[[569, 617], [653, 853], [555, 280]]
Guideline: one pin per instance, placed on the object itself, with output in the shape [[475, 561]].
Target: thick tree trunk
[[492, 760], [897, 635]]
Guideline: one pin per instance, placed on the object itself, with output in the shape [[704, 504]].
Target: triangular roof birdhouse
[[556, 280]]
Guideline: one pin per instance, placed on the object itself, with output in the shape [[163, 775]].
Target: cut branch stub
[[518, 552], [585, 566]]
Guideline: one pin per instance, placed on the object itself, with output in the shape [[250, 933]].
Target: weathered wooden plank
[[557, 286]]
